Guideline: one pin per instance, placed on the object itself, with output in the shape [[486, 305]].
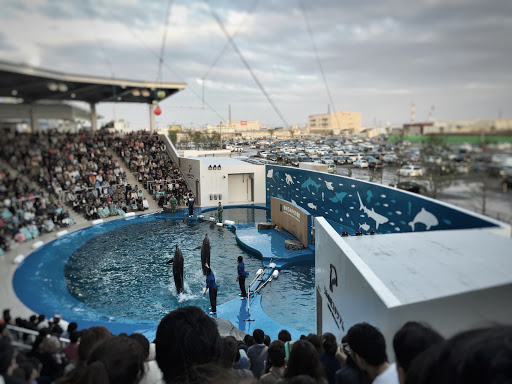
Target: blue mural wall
[[355, 205]]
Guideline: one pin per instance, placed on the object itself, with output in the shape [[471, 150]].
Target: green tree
[[173, 135], [271, 131], [291, 132], [438, 169], [211, 140]]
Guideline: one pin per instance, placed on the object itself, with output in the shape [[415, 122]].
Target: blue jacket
[[241, 269], [210, 281]]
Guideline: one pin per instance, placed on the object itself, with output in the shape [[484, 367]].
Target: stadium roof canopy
[[32, 84]]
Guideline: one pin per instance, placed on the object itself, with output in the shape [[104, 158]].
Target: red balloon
[[157, 111]]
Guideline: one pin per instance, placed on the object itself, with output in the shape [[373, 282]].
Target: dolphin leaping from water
[[205, 253], [177, 269]]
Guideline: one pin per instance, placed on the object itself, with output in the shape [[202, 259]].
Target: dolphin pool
[[115, 274]]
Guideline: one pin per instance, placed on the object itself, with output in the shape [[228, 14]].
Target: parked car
[[409, 186], [360, 163], [331, 168], [339, 160], [410, 170], [327, 160], [293, 160]]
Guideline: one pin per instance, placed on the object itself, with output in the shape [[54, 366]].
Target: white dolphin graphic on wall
[[424, 217], [311, 205], [329, 186], [289, 179], [379, 219]]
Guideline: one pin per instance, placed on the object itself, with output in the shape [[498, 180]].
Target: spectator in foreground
[[185, 338], [275, 363], [409, 342], [304, 361], [328, 356], [257, 353], [367, 347], [349, 373], [117, 360], [482, 355]]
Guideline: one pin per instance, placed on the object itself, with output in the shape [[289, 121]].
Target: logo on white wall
[[333, 278]]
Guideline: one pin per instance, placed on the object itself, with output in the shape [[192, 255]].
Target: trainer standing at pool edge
[[241, 276]]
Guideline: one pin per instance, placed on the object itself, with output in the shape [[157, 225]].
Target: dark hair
[[284, 335], [329, 344], [6, 354], [117, 360], [266, 340], [186, 337], [258, 336], [240, 259], [304, 360], [24, 370], [73, 326], [368, 342], [74, 336], [349, 361], [482, 355], [248, 340], [7, 315], [89, 339], [229, 351], [276, 353], [315, 340], [411, 340], [143, 342]]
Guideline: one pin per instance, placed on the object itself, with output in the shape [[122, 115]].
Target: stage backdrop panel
[[292, 218]]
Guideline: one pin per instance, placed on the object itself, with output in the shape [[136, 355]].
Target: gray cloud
[[377, 56]]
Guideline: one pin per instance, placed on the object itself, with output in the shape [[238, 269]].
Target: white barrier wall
[[458, 290], [236, 182]]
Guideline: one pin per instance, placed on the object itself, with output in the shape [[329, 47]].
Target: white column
[[33, 120], [151, 118], [94, 119]]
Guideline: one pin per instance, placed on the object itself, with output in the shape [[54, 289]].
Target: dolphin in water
[[379, 219], [177, 269], [205, 253], [424, 217]]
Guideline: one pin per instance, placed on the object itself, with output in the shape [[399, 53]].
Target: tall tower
[[412, 112]]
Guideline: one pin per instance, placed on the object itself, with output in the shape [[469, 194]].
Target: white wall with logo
[[348, 292]]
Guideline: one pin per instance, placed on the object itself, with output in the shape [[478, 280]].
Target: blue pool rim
[[63, 303]]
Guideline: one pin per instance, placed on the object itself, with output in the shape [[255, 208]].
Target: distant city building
[[334, 123], [457, 127], [243, 128], [471, 126]]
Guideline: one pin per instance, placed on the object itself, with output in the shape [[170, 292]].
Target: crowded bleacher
[[188, 348], [44, 176], [147, 157]]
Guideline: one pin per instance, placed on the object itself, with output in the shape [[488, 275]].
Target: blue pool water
[[116, 272]]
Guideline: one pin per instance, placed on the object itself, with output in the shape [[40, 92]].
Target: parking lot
[[468, 190]]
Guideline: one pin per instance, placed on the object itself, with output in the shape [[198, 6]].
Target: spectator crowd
[[188, 348], [43, 176], [147, 156]]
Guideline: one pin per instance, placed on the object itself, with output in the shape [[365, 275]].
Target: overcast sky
[[377, 57]]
